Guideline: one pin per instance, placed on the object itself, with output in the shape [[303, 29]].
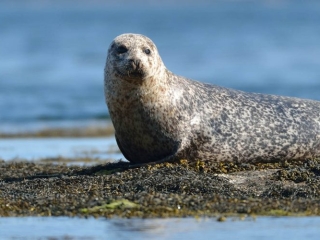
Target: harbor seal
[[159, 116]]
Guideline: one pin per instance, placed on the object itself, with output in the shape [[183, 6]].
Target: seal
[[159, 116]]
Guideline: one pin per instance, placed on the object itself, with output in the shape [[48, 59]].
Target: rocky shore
[[166, 190]]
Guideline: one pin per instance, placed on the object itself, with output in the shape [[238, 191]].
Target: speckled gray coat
[[159, 116]]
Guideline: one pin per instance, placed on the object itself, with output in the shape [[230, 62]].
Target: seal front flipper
[[122, 149], [171, 158], [166, 159], [181, 152], [140, 156]]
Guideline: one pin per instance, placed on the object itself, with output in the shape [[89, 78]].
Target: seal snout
[[135, 64]]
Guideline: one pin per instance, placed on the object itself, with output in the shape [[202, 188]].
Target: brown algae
[[163, 190]]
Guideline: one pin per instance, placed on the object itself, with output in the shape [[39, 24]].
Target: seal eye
[[147, 51], [121, 49]]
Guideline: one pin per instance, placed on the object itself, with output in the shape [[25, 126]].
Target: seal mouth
[[130, 74]]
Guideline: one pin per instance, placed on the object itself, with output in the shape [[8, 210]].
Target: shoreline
[[77, 132], [183, 189]]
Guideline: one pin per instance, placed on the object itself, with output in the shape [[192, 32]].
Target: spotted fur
[[158, 115]]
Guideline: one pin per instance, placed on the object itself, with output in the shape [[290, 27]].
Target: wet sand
[[167, 190]]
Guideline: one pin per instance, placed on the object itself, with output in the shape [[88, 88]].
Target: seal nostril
[[137, 62]]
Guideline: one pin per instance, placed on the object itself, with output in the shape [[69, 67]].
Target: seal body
[[159, 116]]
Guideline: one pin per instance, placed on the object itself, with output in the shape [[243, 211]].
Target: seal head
[[133, 58]]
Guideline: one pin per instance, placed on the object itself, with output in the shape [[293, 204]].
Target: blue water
[[52, 54], [34, 149], [262, 228]]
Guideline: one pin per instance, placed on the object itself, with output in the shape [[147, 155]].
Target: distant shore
[[90, 131]]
